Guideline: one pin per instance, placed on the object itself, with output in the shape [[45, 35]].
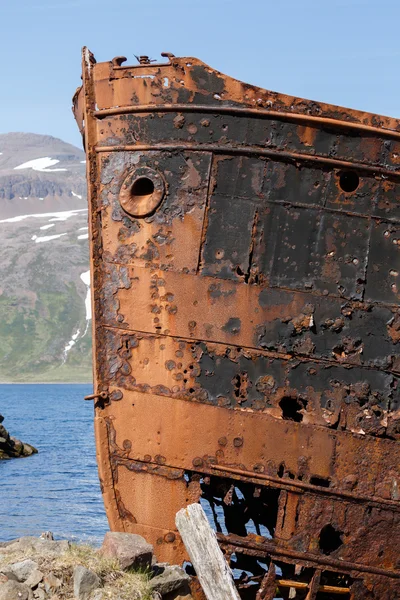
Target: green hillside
[[42, 300]]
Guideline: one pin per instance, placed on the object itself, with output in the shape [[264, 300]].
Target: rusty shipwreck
[[245, 263]]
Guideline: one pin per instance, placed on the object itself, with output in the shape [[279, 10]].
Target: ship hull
[[244, 261]]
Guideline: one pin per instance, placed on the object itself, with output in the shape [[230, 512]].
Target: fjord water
[[57, 489]]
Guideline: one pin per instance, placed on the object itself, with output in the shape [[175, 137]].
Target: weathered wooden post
[[208, 561]]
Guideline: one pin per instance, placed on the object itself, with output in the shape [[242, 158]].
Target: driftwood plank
[[201, 543]]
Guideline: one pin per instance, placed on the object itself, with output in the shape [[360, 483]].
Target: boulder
[[8, 574], [40, 594], [168, 579], [13, 590], [129, 549], [16, 445], [34, 578], [26, 449], [5, 436], [10, 447], [32, 545], [85, 581], [23, 569]]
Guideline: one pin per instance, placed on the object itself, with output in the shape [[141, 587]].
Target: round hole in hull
[[142, 188], [349, 181], [142, 192]]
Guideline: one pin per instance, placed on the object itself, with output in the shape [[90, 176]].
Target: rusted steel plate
[[245, 250], [271, 319], [214, 373]]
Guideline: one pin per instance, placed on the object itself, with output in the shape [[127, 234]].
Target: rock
[[4, 434], [9, 574], [10, 447], [13, 590], [40, 546], [17, 445], [34, 578], [28, 450], [23, 569], [51, 583], [18, 448], [40, 594], [170, 579], [85, 581], [130, 549]]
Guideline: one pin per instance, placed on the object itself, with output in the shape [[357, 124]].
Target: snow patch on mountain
[[46, 238], [57, 216], [67, 214], [85, 277], [40, 164], [86, 280], [88, 305], [71, 343]]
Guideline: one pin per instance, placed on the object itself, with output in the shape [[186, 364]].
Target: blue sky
[[340, 51]]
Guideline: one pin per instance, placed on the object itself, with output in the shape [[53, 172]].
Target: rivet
[[170, 537], [238, 442], [197, 462], [222, 441]]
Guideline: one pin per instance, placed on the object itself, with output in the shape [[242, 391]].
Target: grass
[[33, 338], [116, 584]]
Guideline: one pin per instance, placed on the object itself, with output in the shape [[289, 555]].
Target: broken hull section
[[245, 269]]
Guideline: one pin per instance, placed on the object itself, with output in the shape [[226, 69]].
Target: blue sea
[[57, 489]]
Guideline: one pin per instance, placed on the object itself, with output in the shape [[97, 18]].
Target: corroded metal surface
[[245, 250]]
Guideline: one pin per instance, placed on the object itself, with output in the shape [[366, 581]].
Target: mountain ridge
[[31, 184]]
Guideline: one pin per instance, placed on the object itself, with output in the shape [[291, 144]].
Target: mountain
[[45, 318], [39, 173]]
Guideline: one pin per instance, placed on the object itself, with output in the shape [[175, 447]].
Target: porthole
[[142, 188], [349, 181], [142, 192]]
